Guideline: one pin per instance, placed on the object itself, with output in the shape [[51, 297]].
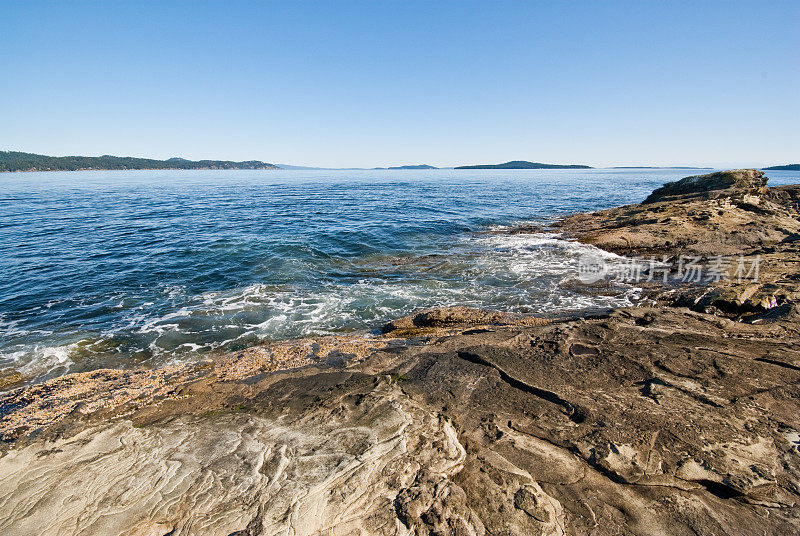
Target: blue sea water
[[129, 268]]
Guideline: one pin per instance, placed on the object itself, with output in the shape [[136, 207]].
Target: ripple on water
[[128, 268]]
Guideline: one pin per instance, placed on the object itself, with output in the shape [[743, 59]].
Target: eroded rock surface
[[335, 472], [740, 179]]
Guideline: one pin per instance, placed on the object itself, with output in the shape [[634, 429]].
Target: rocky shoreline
[[729, 217], [679, 416]]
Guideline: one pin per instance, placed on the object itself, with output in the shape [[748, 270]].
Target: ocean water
[[130, 268]]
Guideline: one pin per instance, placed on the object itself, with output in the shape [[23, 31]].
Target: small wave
[[517, 273], [39, 361]]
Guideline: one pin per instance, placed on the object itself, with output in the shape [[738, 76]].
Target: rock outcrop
[[748, 233], [457, 316], [738, 179]]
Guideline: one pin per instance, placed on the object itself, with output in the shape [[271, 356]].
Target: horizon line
[[309, 167]]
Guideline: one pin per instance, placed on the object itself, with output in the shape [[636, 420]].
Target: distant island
[[787, 167], [420, 166], [18, 161], [522, 164]]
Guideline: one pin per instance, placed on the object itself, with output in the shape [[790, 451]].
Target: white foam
[[40, 360], [517, 273]]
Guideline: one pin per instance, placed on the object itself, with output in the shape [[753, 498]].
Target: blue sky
[[386, 83]]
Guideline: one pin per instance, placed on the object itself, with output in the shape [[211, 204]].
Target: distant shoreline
[[29, 162], [141, 169], [336, 169], [20, 162]]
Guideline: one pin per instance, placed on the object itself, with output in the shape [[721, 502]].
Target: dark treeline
[[17, 161], [787, 167]]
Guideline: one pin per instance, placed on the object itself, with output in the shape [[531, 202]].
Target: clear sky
[[386, 83]]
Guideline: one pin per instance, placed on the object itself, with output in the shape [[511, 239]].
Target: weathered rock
[[26, 410], [444, 317], [740, 179], [241, 473], [749, 237]]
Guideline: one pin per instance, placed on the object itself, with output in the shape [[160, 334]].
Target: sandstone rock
[[734, 229], [226, 473], [443, 317], [742, 179]]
